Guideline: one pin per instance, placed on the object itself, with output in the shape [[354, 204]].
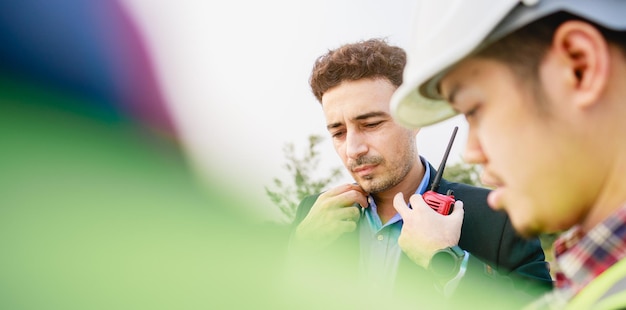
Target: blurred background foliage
[[302, 178]]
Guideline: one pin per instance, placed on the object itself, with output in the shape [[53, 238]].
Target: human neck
[[611, 198], [611, 161], [611, 151], [408, 186]]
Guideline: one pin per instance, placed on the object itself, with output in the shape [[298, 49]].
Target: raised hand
[[424, 230], [335, 212]]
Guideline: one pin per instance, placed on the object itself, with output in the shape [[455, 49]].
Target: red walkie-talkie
[[439, 202]]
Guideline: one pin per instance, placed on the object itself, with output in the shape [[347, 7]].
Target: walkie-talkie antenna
[[442, 166]]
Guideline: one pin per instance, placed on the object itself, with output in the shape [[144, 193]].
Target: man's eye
[[471, 112], [337, 134], [372, 125]]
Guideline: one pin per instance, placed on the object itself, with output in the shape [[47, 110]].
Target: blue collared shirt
[[380, 252]]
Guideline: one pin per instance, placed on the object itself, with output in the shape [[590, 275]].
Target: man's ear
[[585, 52]]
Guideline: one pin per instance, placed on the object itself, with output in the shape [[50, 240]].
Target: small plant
[[462, 172], [288, 194]]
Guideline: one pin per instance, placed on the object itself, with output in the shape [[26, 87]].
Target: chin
[[366, 187], [529, 233], [369, 188], [527, 227]]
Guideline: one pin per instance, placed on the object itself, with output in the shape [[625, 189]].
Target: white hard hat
[[446, 31]]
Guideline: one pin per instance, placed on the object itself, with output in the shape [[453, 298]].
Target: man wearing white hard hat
[[542, 85]]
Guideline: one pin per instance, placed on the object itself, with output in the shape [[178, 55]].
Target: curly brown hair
[[372, 58]]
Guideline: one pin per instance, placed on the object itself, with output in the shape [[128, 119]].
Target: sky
[[235, 78]]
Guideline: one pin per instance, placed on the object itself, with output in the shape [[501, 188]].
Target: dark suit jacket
[[521, 271]]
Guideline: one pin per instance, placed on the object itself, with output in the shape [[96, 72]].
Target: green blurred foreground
[[95, 213]]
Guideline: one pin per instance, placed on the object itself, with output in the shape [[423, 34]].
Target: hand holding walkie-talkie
[[441, 203]]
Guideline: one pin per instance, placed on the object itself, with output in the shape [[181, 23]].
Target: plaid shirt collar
[[582, 257]]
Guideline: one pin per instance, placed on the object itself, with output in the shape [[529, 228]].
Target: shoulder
[[465, 192], [607, 291], [304, 207], [308, 201]]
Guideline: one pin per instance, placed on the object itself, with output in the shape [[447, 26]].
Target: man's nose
[[356, 145], [473, 150]]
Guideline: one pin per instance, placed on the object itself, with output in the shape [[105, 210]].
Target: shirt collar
[[582, 257]]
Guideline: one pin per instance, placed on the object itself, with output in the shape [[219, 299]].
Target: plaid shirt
[[582, 257]]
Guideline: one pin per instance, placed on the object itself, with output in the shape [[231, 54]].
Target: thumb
[[398, 203], [458, 210]]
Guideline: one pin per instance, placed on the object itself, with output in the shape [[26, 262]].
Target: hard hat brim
[[417, 102]]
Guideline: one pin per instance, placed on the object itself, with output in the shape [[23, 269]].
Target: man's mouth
[[364, 170], [489, 179]]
